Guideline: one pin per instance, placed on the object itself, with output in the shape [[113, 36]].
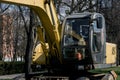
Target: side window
[[99, 22], [96, 43]]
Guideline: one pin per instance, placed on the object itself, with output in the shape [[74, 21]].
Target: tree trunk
[[29, 49]]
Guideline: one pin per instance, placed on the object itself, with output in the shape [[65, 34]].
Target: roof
[[82, 15]]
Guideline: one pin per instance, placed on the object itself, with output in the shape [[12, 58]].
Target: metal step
[[49, 78]]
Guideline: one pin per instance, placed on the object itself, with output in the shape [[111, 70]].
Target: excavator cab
[[75, 34], [79, 42]]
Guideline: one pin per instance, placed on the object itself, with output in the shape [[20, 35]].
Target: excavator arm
[[49, 20]]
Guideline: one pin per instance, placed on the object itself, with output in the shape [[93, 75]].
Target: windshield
[[76, 31]]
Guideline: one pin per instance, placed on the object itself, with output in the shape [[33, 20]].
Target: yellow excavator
[[68, 51]]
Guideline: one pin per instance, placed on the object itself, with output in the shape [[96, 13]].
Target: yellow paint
[[38, 55], [111, 53]]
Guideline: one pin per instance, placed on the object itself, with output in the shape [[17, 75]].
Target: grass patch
[[106, 70]]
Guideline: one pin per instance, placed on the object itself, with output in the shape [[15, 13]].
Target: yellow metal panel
[[48, 11], [111, 53], [30, 3], [38, 55]]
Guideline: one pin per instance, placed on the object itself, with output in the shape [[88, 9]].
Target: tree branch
[[25, 25]]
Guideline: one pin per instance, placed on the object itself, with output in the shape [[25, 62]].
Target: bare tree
[[75, 6], [110, 10], [0, 35], [6, 28], [19, 26]]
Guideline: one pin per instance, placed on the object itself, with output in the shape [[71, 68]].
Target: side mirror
[[67, 12]]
